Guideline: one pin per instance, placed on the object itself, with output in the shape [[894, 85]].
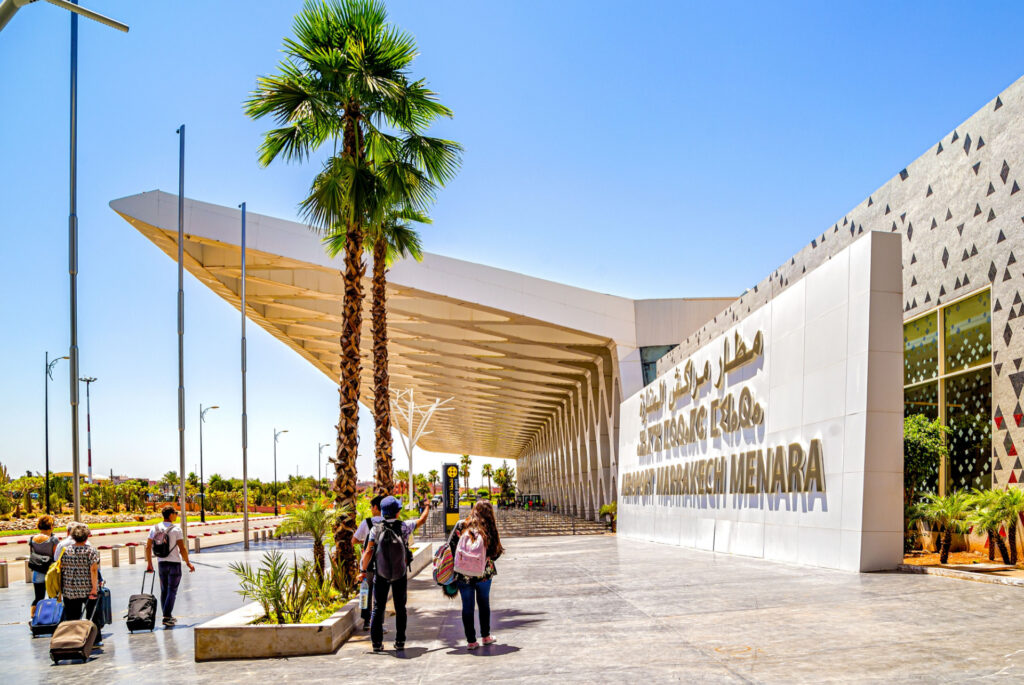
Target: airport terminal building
[[768, 425]]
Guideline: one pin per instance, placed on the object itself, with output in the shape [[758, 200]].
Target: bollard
[[115, 556], [131, 554], [28, 572], [197, 546], [255, 536], [264, 535], [3, 574]]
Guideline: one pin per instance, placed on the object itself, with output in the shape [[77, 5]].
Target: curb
[[960, 575]]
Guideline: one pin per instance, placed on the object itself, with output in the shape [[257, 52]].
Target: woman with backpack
[[475, 547], [42, 550]]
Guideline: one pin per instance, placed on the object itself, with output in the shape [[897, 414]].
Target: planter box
[[232, 636]]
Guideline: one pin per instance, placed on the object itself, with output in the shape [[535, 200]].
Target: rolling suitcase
[[142, 607], [75, 639], [105, 610], [49, 612]]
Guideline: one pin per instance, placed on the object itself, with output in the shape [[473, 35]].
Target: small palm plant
[[987, 514], [1011, 502], [314, 520], [949, 513]]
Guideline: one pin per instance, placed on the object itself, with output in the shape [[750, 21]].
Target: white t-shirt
[[173, 536], [363, 530]]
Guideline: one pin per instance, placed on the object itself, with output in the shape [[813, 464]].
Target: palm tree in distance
[[434, 479], [465, 462], [487, 472], [389, 240], [343, 80]]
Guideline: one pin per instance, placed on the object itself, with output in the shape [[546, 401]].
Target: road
[[211, 534]]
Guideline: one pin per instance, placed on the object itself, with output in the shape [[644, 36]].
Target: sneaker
[[399, 646], [472, 645], [489, 640], [366, 625], [378, 648], [170, 620]]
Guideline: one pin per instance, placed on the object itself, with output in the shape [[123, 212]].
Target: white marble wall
[[832, 371]]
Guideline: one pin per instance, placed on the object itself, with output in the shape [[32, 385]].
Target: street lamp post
[[276, 434], [202, 486], [47, 377], [88, 423], [319, 478]]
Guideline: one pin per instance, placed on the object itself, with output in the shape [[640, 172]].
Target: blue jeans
[[481, 592], [170, 576]]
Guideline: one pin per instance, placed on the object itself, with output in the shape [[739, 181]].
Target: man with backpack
[[167, 543], [360, 538], [388, 548]]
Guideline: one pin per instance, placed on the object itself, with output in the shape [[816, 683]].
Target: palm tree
[[344, 77], [391, 239], [487, 472], [1011, 503], [950, 513], [988, 515], [465, 462], [314, 520], [434, 477]]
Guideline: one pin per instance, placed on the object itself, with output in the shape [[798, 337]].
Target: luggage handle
[[152, 584]]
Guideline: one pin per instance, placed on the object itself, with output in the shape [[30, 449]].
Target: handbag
[[53, 577], [444, 563], [40, 563]]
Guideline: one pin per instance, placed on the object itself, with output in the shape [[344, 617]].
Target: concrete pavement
[[598, 609]]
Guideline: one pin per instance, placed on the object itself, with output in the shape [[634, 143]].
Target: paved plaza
[[596, 609]]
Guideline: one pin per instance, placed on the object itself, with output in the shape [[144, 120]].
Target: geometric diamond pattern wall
[[960, 210]]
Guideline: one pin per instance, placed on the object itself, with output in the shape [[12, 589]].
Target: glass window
[[922, 399], [969, 417], [921, 349], [968, 333], [960, 337]]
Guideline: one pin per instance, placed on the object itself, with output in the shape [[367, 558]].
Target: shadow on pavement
[[485, 650]]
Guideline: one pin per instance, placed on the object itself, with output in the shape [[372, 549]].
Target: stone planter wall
[[232, 636]]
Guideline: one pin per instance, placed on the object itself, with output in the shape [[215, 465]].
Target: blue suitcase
[[49, 612], [104, 616]]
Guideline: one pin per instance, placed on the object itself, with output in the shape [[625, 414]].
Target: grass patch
[[312, 616], [132, 524]]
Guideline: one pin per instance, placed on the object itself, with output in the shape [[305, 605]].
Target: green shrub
[[6, 506]]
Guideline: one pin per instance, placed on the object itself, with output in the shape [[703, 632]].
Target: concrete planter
[[232, 636]]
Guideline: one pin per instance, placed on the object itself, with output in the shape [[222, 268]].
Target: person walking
[[42, 552], [474, 568], [388, 548], [168, 544], [68, 540], [79, 578], [363, 532]]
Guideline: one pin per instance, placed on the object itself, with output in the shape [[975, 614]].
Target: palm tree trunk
[[1013, 540], [318, 558], [383, 478], [1003, 553], [344, 484], [947, 543], [992, 545]]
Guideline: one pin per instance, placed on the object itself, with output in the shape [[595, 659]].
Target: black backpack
[[162, 543], [392, 555]]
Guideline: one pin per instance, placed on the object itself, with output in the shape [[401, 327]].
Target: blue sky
[[647, 149]]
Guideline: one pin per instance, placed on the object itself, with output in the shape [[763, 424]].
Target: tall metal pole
[[46, 431], [275, 472], [202, 488], [319, 476], [73, 267], [88, 423], [245, 418], [181, 326]]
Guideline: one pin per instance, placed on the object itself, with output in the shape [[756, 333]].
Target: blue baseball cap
[[390, 507]]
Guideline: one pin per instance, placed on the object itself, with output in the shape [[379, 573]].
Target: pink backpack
[[471, 556]]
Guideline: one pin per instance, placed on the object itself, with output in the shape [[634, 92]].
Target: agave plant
[[949, 513], [987, 514], [284, 591]]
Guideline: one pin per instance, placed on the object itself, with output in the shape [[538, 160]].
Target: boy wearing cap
[[390, 508]]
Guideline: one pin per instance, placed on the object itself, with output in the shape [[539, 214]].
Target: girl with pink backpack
[[475, 548]]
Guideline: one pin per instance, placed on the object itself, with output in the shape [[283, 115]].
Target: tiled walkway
[[599, 610]]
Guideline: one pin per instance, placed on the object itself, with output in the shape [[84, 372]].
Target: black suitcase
[[74, 639], [142, 608]]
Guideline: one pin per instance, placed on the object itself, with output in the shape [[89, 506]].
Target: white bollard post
[[3, 574], [197, 546], [131, 554], [115, 556], [28, 572]]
